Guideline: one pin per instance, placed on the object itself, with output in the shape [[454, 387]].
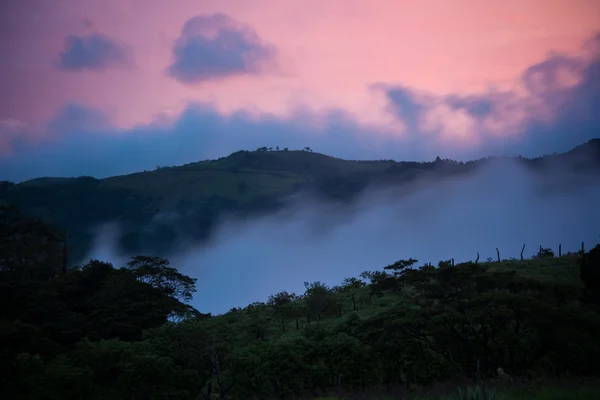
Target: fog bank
[[501, 205]]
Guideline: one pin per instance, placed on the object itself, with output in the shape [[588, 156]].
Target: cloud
[[93, 52], [74, 118], [83, 143], [10, 129], [555, 115], [556, 107], [216, 46]]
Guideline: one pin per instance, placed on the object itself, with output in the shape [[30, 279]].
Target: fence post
[[560, 250]]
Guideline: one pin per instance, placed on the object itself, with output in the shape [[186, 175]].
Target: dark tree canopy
[[99, 332]]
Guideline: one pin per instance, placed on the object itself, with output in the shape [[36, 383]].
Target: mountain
[[153, 208]]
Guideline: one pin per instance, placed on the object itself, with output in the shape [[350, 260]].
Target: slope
[[154, 208]]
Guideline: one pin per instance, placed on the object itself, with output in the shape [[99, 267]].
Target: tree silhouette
[[156, 272]]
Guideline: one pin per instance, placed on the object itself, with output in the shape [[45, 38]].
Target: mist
[[501, 205]]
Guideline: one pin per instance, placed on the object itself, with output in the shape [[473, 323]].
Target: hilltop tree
[[544, 253], [399, 266]]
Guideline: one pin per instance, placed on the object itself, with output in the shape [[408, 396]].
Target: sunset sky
[[104, 87]]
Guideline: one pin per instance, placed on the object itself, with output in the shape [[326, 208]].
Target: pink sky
[[329, 54]]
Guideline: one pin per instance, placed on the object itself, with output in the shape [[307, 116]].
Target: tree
[[318, 298], [544, 253], [281, 304], [259, 319], [281, 299], [156, 272], [399, 266], [350, 287]]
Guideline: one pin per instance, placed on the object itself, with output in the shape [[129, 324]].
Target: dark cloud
[[545, 78], [405, 106], [93, 52], [216, 46], [475, 106]]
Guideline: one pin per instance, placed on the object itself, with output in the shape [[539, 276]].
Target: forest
[[503, 329]]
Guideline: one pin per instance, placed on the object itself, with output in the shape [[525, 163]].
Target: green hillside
[[242, 184]]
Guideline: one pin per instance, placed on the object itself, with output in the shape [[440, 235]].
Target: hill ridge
[[244, 183]]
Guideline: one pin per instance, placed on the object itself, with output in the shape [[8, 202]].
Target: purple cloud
[[94, 52], [216, 46]]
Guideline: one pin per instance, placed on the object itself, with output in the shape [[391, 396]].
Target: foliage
[[97, 332]]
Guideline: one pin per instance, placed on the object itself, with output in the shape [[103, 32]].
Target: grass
[[558, 269], [548, 391], [527, 391], [551, 393], [272, 174]]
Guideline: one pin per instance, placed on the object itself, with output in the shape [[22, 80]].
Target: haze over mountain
[[500, 205]]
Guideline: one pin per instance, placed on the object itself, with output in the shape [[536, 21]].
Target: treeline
[[98, 332]]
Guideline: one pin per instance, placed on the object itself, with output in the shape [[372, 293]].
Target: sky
[[99, 88]]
